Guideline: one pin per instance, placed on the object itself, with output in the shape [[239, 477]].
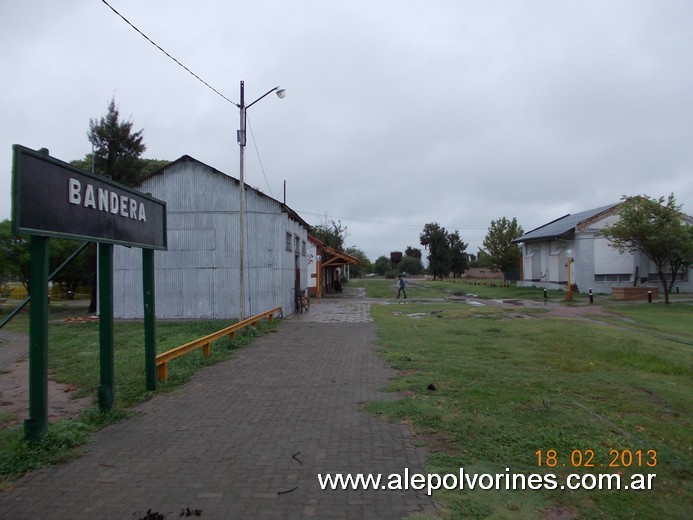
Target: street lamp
[[241, 208], [569, 254]]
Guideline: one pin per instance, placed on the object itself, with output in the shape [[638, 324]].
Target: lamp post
[[241, 204], [569, 255]]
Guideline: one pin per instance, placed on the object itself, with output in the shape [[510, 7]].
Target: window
[[304, 252], [612, 277], [297, 247], [288, 241], [680, 277]]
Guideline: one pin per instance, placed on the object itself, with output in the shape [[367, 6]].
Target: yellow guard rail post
[[206, 341]]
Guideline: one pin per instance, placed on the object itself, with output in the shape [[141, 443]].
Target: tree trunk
[[665, 285]]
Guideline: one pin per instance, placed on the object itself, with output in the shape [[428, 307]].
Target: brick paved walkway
[[247, 438]]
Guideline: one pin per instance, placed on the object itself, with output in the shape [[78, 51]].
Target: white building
[[199, 275], [596, 265]]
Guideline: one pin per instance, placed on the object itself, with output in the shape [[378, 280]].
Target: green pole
[[36, 425], [106, 392], [149, 318]]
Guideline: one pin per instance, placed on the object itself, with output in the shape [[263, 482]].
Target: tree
[[410, 265], [146, 167], [330, 233], [411, 262], [79, 272], [364, 265], [117, 151], [116, 147], [658, 229], [413, 251], [482, 259], [382, 265], [500, 252], [15, 258], [459, 261], [149, 166], [446, 251], [434, 237]]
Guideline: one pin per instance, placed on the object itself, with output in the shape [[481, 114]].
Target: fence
[[205, 342]]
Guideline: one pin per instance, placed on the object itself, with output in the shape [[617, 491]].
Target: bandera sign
[[51, 198]]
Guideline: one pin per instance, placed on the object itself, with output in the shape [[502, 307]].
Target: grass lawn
[[74, 358], [495, 391], [421, 288]]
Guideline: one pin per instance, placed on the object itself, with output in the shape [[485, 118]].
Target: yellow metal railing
[[206, 341]]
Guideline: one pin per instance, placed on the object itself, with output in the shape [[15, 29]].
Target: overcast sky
[[397, 113]]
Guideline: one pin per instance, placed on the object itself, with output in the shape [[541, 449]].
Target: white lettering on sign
[[104, 200], [89, 201]]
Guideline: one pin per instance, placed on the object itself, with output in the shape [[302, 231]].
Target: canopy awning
[[338, 258]]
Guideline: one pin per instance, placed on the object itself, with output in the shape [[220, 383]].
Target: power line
[[258, 156], [257, 151], [394, 224], [167, 54]]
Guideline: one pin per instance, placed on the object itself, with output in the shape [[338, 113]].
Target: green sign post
[[51, 198], [149, 318], [37, 423]]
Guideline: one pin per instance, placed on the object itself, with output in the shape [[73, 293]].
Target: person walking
[[401, 284]]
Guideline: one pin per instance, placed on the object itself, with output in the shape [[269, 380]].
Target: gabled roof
[[563, 227], [340, 257], [337, 257], [187, 158]]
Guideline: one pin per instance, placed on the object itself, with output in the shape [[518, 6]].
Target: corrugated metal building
[[199, 276]]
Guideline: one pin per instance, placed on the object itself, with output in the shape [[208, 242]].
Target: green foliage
[[482, 259], [458, 254], [18, 456], [413, 251], [150, 166], [363, 267], [116, 147], [330, 233], [659, 229], [410, 265], [446, 251], [79, 272], [145, 167], [434, 238], [382, 265], [14, 255], [15, 259], [500, 253]]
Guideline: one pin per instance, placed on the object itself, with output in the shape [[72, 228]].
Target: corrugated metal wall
[[198, 277]]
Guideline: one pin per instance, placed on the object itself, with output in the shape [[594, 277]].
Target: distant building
[[199, 275], [596, 265]]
